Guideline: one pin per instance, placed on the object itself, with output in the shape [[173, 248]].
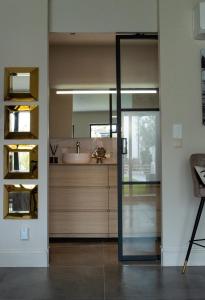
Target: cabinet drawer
[[76, 175], [113, 223], [78, 222], [113, 198], [112, 175], [65, 198]]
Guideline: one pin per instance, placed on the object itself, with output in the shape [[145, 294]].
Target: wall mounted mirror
[[20, 161], [21, 201], [21, 84], [21, 122], [87, 116], [91, 116], [94, 115]]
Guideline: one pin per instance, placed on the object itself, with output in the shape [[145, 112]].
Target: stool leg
[[198, 216]]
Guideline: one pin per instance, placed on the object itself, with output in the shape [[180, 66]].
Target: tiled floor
[[92, 272]]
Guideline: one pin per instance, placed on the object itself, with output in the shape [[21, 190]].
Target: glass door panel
[[141, 130], [141, 220], [139, 165]]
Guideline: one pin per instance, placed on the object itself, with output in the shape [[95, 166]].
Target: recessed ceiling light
[[95, 92]]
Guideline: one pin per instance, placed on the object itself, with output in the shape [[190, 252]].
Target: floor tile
[[53, 283], [122, 282], [75, 255], [91, 271], [110, 253]]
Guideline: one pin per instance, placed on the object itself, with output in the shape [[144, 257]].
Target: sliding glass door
[[138, 154]]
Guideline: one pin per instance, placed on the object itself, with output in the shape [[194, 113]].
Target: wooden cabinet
[[112, 176], [112, 223], [81, 198], [78, 175], [76, 223], [113, 198], [113, 204], [83, 201]]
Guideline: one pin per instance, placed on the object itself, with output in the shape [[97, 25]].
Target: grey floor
[[91, 272]]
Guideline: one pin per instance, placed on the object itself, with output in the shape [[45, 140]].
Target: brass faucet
[[78, 147]]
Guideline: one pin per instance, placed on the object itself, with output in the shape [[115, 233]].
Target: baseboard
[[18, 258], [174, 256]]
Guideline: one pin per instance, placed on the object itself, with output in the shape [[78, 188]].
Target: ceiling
[[85, 39], [91, 39]]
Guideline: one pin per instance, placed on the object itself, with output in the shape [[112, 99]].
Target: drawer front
[[113, 202], [112, 173], [77, 175], [78, 222], [113, 222], [64, 198]]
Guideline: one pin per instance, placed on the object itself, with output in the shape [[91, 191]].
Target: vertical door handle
[[124, 145]]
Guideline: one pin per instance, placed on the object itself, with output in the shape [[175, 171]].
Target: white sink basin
[[75, 158]]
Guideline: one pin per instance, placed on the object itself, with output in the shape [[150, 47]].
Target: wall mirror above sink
[[21, 122], [91, 116], [21, 84], [82, 115]]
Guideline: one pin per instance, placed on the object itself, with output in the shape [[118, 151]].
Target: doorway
[[134, 110]]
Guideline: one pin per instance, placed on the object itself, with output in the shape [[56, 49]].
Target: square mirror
[[21, 201], [21, 84], [21, 122], [20, 162]]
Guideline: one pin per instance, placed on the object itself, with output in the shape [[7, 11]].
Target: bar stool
[[199, 192]]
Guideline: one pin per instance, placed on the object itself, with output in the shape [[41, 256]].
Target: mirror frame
[[32, 134], [33, 174], [33, 214], [33, 92]]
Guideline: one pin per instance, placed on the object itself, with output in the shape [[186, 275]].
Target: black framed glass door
[[138, 129]]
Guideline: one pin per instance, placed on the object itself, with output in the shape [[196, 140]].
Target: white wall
[[180, 103], [103, 16], [24, 43], [81, 66], [24, 39], [94, 66]]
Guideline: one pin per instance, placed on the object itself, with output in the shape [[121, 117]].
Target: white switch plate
[[177, 131], [24, 233]]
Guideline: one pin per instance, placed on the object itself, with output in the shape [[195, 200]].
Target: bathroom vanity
[[83, 200]]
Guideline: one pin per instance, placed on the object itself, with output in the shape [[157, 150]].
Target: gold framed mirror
[[21, 201], [21, 122], [20, 162], [21, 84]]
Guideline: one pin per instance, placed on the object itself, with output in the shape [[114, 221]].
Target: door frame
[[119, 37]]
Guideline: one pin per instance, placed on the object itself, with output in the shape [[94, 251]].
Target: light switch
[[177, 135], [177, 131], [24, 233]]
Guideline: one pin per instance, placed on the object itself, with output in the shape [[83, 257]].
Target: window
[[102, 130]]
